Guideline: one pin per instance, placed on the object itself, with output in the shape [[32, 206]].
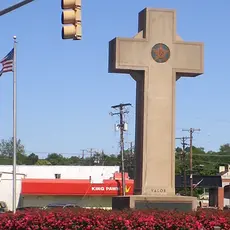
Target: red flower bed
[[100, 219]]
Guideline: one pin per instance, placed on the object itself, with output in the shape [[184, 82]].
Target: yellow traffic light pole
[[14, 7]]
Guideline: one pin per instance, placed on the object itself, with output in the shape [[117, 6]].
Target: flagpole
[[14, 127]]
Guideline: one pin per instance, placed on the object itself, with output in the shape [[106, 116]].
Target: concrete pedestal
[[181, 203]]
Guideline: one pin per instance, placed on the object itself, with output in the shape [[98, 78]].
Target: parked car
[[61, 205], [27, 208], [3, 207]]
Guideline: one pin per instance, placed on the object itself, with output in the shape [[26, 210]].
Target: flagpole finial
[[15, 37]]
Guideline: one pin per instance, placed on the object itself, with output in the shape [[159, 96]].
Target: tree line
[[204, 163]]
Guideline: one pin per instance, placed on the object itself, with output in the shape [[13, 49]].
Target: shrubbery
[[101, 219]]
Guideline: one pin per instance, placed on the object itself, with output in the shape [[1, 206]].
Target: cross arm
[[126, 55], [188, 58], [113, 57]]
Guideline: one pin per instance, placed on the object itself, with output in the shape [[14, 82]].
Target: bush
[[122, 220]]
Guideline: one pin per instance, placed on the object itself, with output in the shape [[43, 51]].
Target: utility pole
[[132, 160], [131, 148], [102, 157], [83, 153], [91, 156], [191, 131], [183, 158], [15, 6], [91, 152], [121, 127]]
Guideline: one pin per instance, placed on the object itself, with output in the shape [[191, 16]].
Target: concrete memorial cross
[[156, 57]]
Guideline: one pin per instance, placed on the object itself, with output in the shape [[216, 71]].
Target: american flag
[[7, 62]]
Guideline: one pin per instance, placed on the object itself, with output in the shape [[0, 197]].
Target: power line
[[214, 154], [211, 155], [121, 126], [191, 131], [86, 151]]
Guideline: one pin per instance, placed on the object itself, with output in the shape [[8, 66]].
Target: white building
[[96, 174]]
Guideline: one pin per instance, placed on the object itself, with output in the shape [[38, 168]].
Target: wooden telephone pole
[[122, 129], [183, 158], [191, 131]]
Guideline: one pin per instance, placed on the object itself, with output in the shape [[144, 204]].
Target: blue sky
[[65, 91]]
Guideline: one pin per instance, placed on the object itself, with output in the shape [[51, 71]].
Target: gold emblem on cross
[[160, 53]]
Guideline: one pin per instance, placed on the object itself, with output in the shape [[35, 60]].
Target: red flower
[[126, 220]]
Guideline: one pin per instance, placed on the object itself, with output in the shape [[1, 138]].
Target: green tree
[[43, 162], [32, 159], [225, 149], [7, 149], [204, 163], [56, 159], [74, 160], [112, 160]]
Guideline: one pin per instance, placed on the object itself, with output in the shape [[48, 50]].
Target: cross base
[[180, 203]]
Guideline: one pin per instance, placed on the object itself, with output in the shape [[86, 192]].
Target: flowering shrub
[[122, 220]]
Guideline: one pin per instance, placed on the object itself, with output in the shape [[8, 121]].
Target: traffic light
[[71, 14]]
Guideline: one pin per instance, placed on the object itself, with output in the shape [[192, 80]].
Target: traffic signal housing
[[71, 18]]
